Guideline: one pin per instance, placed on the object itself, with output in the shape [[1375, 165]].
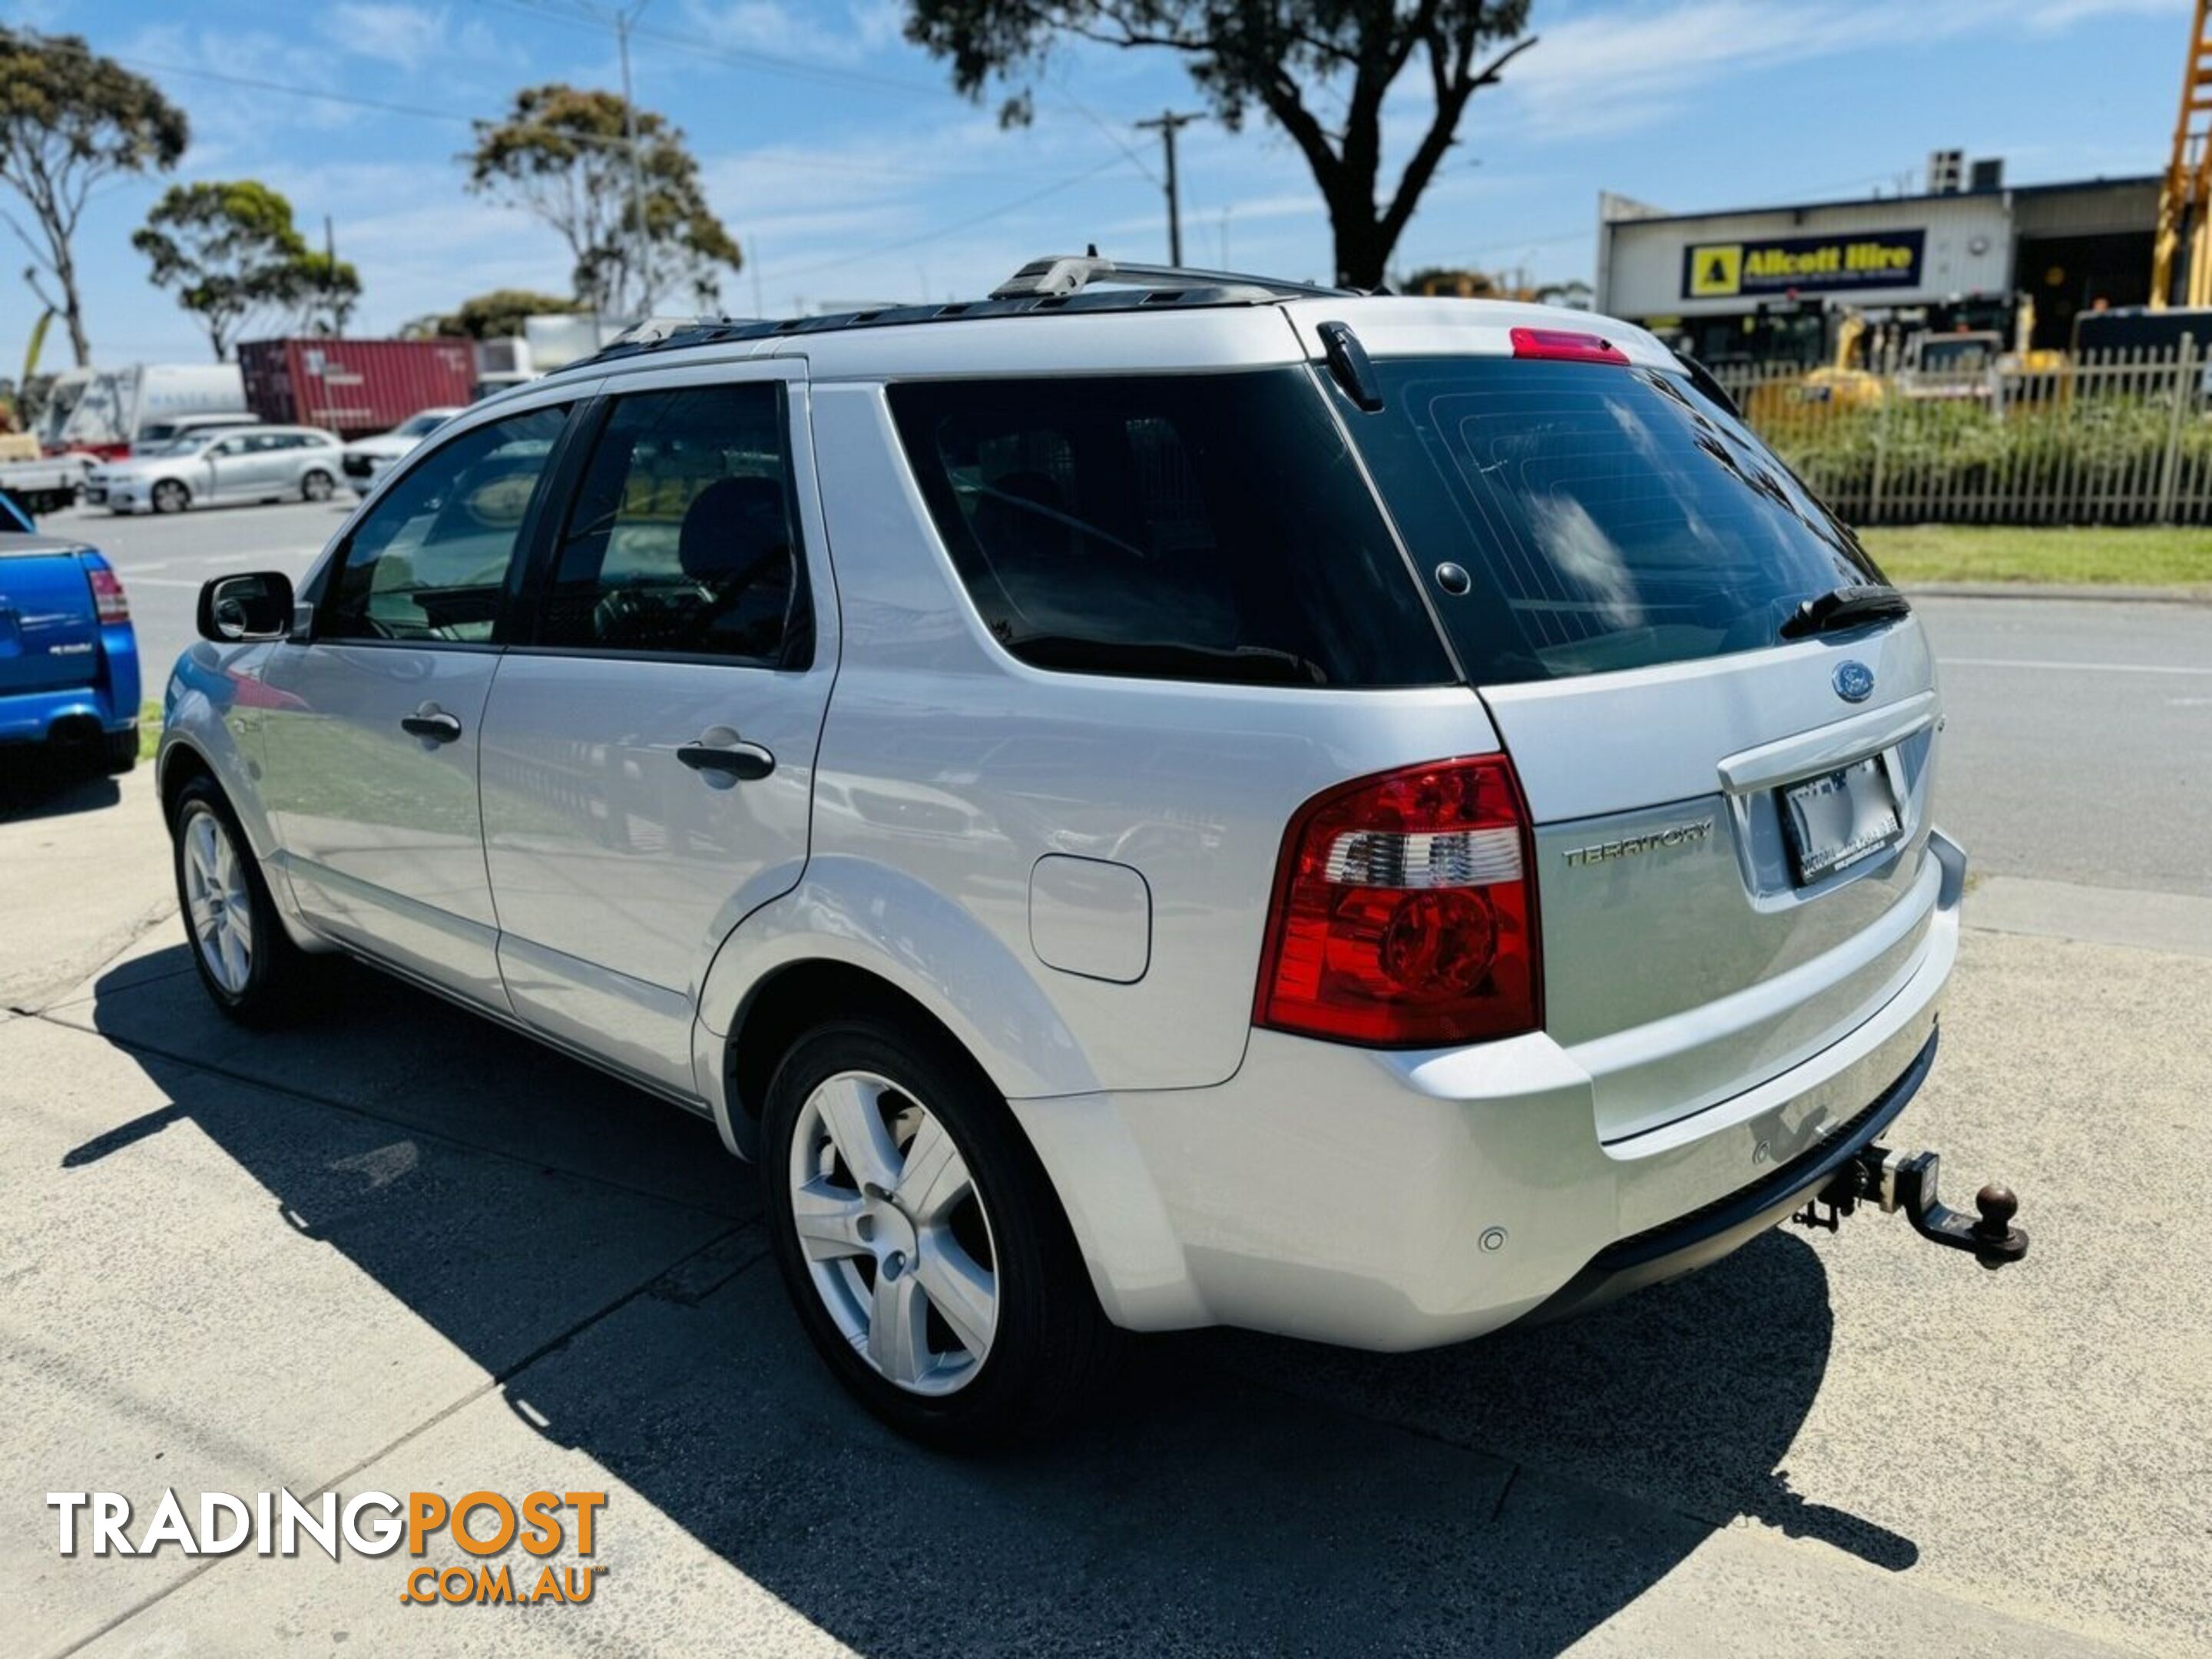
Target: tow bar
[[1906, 1180]]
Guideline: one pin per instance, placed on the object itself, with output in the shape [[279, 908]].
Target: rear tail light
[[1566, 345], [1405, 912], [108, 596]]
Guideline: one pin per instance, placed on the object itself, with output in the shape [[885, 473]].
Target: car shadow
[[38, 781], [1228, 1493]]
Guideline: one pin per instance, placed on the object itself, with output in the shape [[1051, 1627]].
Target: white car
[[224, 466], [1223, 802], [159, 435], [366, 458]]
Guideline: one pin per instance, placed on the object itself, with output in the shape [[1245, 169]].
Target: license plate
[[96, 494], [1840, 818]]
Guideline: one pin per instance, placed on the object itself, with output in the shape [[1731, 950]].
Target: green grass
[[149, 731], [1988, 553]]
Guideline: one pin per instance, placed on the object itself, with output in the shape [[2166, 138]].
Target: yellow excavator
[[1839, 383]]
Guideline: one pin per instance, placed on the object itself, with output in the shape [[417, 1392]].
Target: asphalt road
[[164, 561], [2080, 746]]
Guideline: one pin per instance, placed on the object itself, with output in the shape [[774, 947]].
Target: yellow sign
[[1717, 271]]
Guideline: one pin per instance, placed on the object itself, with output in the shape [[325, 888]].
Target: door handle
[[745, 761], [432, 722]]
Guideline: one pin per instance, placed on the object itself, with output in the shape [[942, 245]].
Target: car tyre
[[1046, 1344], [248, 964], [170, 496], [317, 486]]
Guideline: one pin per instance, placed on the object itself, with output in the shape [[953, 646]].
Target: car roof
[[1152, 319]]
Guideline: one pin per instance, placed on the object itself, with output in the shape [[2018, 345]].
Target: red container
[[354, 387]]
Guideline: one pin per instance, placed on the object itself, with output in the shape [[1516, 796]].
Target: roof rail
[[1076, 282], [1057, 275]]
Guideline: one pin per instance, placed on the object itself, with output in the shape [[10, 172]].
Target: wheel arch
[[853, 929]]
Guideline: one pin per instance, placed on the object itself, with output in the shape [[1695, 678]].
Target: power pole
[[1167, 123], [331, 274], [634, 258]]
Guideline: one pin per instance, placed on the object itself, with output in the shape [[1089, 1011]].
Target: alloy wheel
[[317, 486], [221, 904], [169, 497], [897, 1240]]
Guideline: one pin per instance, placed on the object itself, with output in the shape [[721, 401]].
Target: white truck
[[39, 484], [115, 409]]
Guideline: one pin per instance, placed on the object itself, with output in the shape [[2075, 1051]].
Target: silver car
[[1151, 800], [211, 467]]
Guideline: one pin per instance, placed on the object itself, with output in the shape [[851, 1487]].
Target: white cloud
[[1600, 72], [392, 32], [832, 34]]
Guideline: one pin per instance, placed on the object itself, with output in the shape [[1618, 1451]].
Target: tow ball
[[1906, 1180]]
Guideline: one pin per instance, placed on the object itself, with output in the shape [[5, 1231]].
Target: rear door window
[[1610, 517], [1194, 526]]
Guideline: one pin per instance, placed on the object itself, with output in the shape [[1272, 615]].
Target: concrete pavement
[[401, 1249], [520, 1276]]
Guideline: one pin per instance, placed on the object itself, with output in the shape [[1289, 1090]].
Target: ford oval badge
[[1854, 681]]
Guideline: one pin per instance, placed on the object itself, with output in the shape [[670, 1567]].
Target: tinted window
[[1611, 518], [683, 537], [1197, 527], [430, 560]]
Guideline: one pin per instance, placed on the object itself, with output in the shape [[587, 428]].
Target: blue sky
[[851, 173]]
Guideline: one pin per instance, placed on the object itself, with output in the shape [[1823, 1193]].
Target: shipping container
[[354, 387]]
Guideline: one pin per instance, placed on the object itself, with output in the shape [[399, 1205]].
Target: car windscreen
[[1606, 517], [1201, 527]]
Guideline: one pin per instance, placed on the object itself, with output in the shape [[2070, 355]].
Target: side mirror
[[235, 609]]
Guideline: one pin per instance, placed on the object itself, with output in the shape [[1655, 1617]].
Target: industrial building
[[1769, 284]]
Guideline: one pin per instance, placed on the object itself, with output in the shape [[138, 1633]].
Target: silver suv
[[1155, 799]]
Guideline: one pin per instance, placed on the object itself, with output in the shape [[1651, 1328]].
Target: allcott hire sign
[[1878, 258]]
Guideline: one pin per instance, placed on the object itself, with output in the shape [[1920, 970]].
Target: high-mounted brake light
[[1404, 911], [1567, 346], [108, 598]]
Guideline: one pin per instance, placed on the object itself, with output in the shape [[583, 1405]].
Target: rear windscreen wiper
[[1845, 607]]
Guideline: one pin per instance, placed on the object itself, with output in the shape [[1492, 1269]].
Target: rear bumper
[[1705, 1235], [111, 698], [1393, 1200]]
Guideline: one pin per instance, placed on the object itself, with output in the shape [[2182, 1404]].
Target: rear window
[[1608, 518], [1196, 526]]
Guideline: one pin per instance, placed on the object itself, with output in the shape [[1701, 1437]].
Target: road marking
[[2078, 667]]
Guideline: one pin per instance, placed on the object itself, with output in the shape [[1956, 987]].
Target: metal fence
[[2114, 437]]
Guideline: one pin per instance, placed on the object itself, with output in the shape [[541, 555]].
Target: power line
[[742, 56], [447, 117], [1099, 122], [942, 231]]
